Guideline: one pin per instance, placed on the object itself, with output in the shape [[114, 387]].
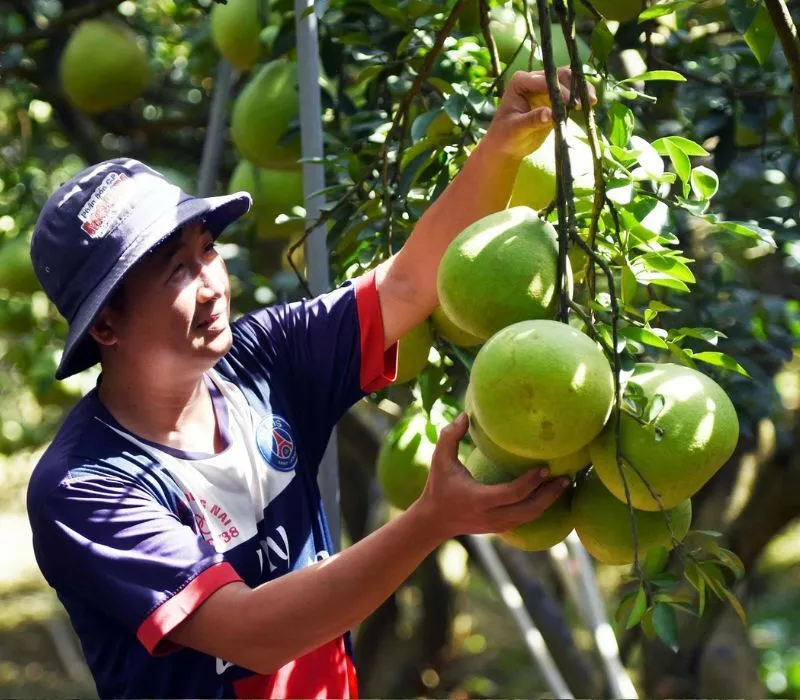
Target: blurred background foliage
[[445, 633]]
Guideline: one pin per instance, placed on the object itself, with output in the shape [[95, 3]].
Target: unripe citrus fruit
[[603, 524], [541, 389], [412, 352], [236, 31], [500, 270], [690, 430]]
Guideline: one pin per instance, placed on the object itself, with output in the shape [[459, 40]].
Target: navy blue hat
[[97, 226]]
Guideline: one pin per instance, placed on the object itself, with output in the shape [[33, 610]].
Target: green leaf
[[368, 74], [748, 230], [602, 41], [760, 35], [656, 560], [430, 429], [666, 8], [638, 609], [665, 623], [742, 13], [656, 75], [681, 163], [705, 182], [689, 147], [670, 265], [731, 560], [644, 336], [622, 124], [736, 605], [709, 335], [720, 359]]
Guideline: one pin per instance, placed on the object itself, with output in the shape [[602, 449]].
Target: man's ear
[[102, 329]]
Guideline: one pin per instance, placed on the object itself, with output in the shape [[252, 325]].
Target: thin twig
[[787, 35]]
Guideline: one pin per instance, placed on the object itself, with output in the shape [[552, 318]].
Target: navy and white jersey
[[135, 536]]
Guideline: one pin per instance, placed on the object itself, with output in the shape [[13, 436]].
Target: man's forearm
[[481, 188], [268, 626]]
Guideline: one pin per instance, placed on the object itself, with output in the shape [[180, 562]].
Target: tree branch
[[787, 35], [70, 17]]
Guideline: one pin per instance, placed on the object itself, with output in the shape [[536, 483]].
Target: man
[[176, 512]]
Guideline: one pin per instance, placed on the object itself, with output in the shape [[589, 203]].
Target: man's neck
[[180, 416]]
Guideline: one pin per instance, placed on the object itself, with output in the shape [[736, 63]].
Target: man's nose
[[211, 282]]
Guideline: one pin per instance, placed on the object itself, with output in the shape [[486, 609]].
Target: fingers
[[499, 495], [535, 82], [447, 444], [532, 507]]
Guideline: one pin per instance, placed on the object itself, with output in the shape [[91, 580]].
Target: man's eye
[[176, 270]]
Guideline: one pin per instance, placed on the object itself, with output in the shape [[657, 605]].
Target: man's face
[[176, 307]]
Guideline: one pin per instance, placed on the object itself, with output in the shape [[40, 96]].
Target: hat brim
[[80, 349]]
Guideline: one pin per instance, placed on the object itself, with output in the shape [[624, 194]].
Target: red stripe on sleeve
[[167, 616], [378, 366]]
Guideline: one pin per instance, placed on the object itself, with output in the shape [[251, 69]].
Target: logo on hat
[[108, 205]]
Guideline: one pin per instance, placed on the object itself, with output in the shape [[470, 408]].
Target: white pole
[[513, 601], [215, 129], [316, 252], [591, 604]]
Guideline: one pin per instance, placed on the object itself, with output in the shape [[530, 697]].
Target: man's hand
[[517, 129], [459, 505]]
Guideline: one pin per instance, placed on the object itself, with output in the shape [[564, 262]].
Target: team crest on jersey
[[276, 444]]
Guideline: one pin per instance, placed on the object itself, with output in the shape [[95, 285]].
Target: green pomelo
[[535, 184], [508, 30], [236, 31], [603, 524], [412, 352], [274, 192], [102, 66], [692, 430], [541, 389], [16, 269], [404, 460], [450, 332], [618, 10], [536, 62], [262, 114], [515, 464], [500, 270], [546, 531]]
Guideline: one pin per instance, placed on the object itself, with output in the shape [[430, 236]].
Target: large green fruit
[[691, 431], [541, 389], [236, 31], [618, 10], [450, 332], [560, 55], [102, 66], [603, 524], [404, 460], [16, 269], [508, 30], [262, 114], [544, 532], [274, 192], [500, 270], [412, 352], [516, 464], [469, 21], [535, 184]]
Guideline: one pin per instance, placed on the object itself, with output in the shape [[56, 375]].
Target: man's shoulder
[[85, 444]]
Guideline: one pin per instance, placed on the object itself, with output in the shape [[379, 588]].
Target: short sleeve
[[331, 348], [110, 544]]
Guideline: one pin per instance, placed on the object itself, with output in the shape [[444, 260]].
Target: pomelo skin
[[547, 530], [236, 31], [541, 389], [450, 332], [262, 114], [102, 66], [404, 461], [603, 524], [514, 464], [687, 442], [500, 270], [274, 192], [412, 352]]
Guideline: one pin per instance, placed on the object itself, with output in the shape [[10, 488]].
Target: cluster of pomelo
[[541, 393]]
